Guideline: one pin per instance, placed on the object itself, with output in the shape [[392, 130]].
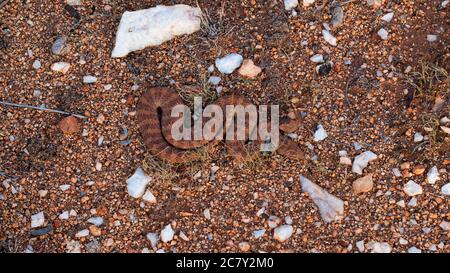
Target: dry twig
[[41, 108]]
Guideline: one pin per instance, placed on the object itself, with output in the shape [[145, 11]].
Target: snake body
[[155, 123]]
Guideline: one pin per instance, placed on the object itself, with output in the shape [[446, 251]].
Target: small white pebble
[[97, 221], [360, 246], [89, 79], [396, 172], [290, 4], [446, 189], [388, 17], [214, 80], [412, 188], [433, 175], [320, 133], [414, 250], [82, 233], [282, 233], [64, 215], [418, 137], [383, 34], [318, 58], [153, 238], [37, 220], [403, 241], [412, 202], [149, 197], [36, 64], [42, 193], [329, 38], [64, 187], [207, 214], [98, 165], [431, 38], [167, 234]]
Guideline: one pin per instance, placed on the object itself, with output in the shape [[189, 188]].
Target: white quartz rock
[[89, 79], [137, 182], [388, 17], [446, 189], [414, 250], [307, 3], [331, 208], [229, 63], [379, 247], [445, 225], [153, 238], [329, 38], [431, 38], [82, 233], [383, 34], [282, 233], [214, 80], [64, 215], [320, 133], [37, 220], [418, 137], [154, 26], [412, 188], [149, 197], [97, 221], [62, 67], [318, 58], [290, 4], [167, 234], [362, 160], [433, 175]]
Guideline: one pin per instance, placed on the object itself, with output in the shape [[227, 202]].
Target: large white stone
[[229, 63], [137, 182], [362, 160], [331, 208], [154, 26]]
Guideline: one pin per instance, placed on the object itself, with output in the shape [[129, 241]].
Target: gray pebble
[[58, 45]]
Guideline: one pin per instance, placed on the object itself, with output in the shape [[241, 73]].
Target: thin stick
[[41, 108]]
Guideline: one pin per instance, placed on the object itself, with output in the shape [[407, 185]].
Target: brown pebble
[[96, 231], [69, 125], [363, 184], [249, 69]]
